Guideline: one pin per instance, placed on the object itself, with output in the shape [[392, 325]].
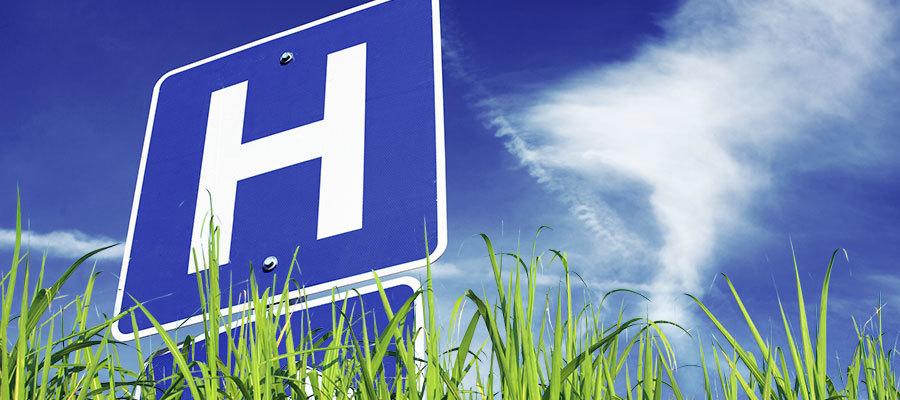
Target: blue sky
[[665, 142]]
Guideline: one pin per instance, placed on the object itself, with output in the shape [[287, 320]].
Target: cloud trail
[[697, 119], [63, 244]]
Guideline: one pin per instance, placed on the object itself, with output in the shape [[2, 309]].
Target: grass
[[514, 343]]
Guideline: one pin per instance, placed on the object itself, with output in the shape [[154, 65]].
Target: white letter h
[[338, 139]]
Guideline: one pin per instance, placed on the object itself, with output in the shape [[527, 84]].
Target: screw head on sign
[[286, 58], [270, 263]]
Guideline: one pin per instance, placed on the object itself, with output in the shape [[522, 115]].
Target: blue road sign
[[316, 316], [327, 137]]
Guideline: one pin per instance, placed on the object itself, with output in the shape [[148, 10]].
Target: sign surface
[[317, 316], [338, 151]]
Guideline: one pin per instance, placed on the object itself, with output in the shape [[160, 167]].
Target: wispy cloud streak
[[696, 119], [63, 244]]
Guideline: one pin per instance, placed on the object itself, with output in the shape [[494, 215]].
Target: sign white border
[[441, 176], [418, 309]]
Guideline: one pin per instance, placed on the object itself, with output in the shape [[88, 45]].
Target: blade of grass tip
[[628, 395], [570, 334], [45, 370], [39, 285], [770, 375], [748, 390], [869, 368], [670, 373], [388, 333], [821, 338], [173, 350], [648, 381], [557, 351], [137, 346], [658, 382], [84, 312], [365, 369], [363, 350], [8, 295], [808, 356], [93, 367], [532, 273], [463, 349], [745, 356], [666, 349], [795, 355], [723, 380], [625, 352], [484, 311], [41, 303], [397, 333], [760, 343], [606, 340], [213, 304], [21, 342], [707, 386], [17, 245], [785, 390], [495, 267], [32, 361]]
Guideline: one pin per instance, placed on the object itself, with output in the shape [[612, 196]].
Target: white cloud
[[696, 119], [63, 244], [442, 270]]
